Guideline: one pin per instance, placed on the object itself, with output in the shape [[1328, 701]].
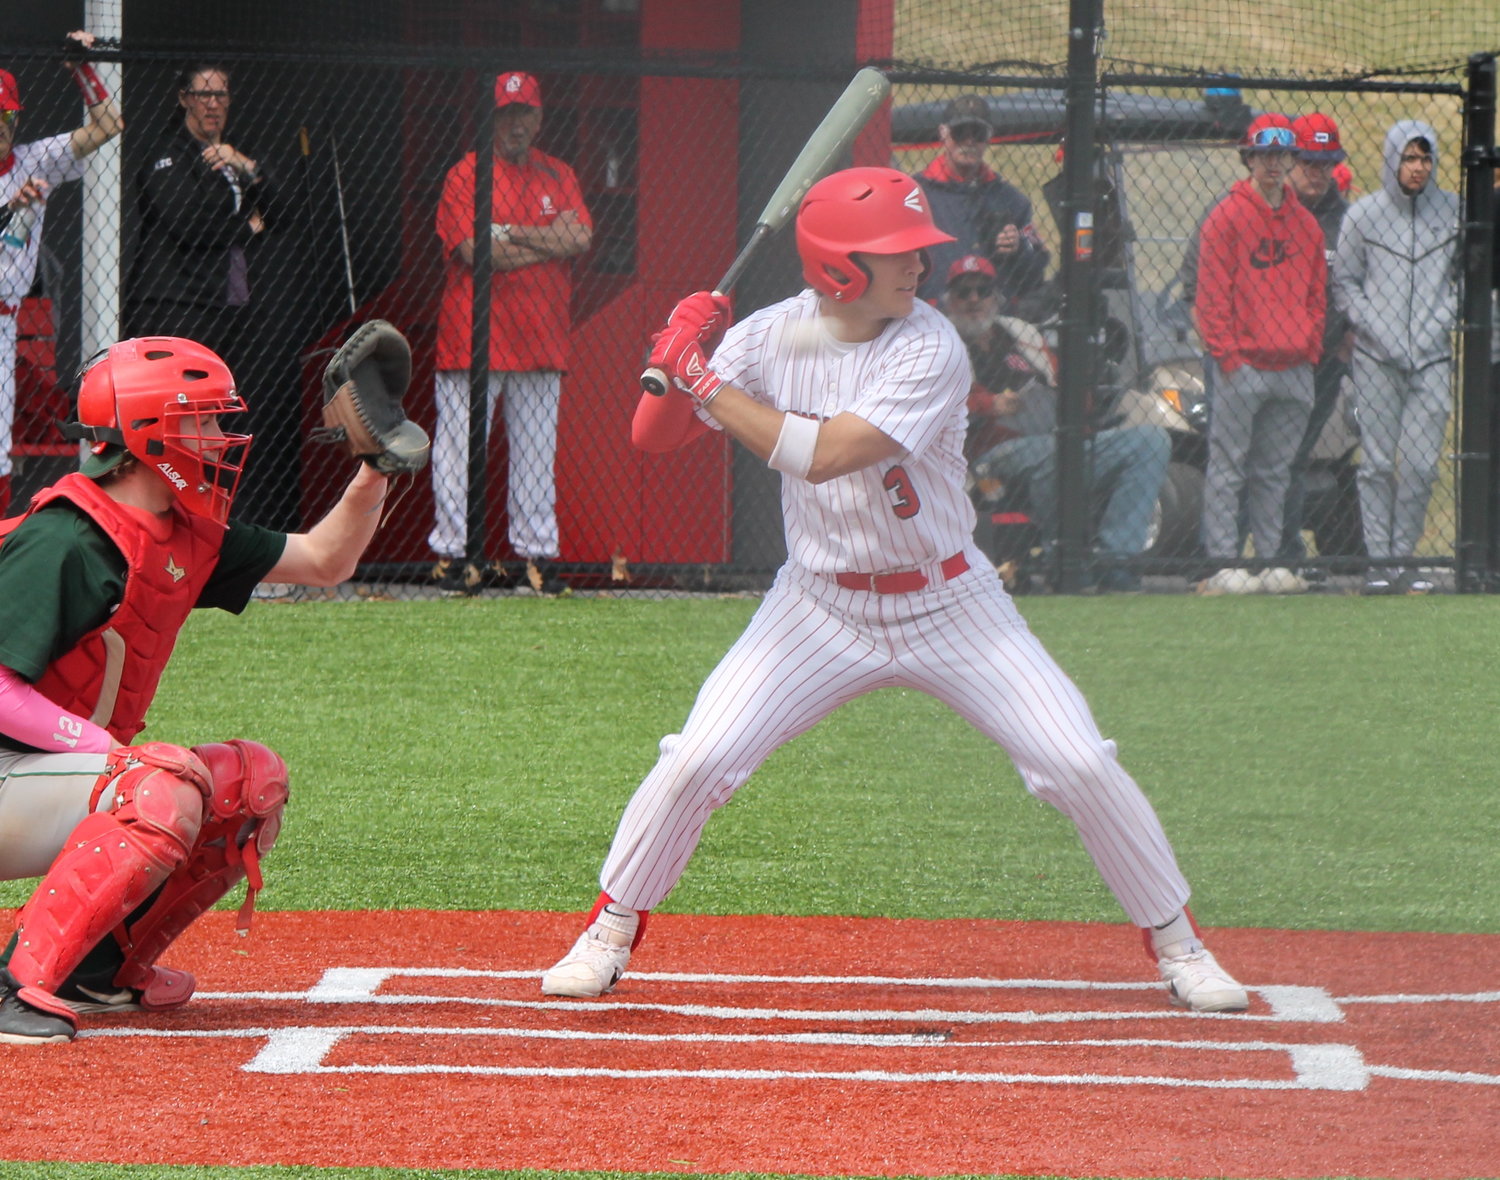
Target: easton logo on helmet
[[914, 199]]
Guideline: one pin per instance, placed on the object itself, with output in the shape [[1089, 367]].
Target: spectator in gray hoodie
[[1395, 275]]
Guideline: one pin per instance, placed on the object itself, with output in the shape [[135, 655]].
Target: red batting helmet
[[860, 210], [159, 399]]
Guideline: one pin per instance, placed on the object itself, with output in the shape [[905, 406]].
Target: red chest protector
[[110, 675]]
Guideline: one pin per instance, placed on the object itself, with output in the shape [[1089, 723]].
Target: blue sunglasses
[[1274, 137]]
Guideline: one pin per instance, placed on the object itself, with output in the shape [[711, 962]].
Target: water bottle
[[18, 232]]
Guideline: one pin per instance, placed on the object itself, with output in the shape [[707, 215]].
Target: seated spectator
[[1013, 423], [985, 214]]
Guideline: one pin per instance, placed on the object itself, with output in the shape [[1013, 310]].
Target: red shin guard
[[245, 808], [113, 861]]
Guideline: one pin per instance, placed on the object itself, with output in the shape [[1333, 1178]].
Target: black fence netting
[[288, 172]]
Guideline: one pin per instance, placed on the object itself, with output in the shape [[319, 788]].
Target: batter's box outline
[[303, 1050]]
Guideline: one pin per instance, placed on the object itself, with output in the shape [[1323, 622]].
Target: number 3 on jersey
[[905, 502]]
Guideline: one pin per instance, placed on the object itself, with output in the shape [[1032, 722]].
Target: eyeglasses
[[971, 290], [975, 132], [9, 117], [1274, 137], [1417, 158], [208, 95]]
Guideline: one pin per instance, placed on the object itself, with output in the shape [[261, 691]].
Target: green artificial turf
[[1322, 762]]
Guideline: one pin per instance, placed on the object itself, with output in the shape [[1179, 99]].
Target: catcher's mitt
[[362, 390]]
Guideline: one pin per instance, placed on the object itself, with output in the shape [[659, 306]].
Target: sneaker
[[25, 1024], [1282, 581], [1378, 582], [541, 576], [164, 990], [455, 578], [1415, 582], [1197, 981], [1230, 581], [591, 968]]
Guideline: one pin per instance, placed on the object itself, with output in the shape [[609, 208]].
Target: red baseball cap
[[513, 88], [10, 97], [971, 264], [1318, 139]]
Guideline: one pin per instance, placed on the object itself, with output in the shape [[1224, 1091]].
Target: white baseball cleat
[[591, 968], [1197, 981]]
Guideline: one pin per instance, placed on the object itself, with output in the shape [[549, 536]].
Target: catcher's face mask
[[162, 399]]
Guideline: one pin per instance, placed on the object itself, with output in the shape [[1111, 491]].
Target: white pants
[[531, 401], [43, 797], [7, 389], [812, 646]]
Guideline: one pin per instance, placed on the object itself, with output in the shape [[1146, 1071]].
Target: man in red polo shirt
[[539, 223]]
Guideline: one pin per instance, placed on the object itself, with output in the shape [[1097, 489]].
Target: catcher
[[135, 839]]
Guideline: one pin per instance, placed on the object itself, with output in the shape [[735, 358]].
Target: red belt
[[903, 582]]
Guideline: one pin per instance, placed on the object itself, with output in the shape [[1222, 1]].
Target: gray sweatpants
[[1402, 417], [1256, 421]]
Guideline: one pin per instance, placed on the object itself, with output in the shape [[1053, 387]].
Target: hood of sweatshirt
[[1396, 139]]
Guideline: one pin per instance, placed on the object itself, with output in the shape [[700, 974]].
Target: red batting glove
[[706, 314], [677, 353]]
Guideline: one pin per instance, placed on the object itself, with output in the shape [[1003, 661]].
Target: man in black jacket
[[985, 214], [206, 207]]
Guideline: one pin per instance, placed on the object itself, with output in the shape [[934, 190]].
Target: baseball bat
[[832, 137]]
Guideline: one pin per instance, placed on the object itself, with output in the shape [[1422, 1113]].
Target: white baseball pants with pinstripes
[[812, 646]]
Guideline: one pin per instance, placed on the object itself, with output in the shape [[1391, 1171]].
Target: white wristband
[[793, 452]]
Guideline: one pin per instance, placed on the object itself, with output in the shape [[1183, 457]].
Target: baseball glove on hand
[[362, 390]]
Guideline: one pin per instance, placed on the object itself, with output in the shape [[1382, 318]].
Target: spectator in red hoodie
[[1261, 304]]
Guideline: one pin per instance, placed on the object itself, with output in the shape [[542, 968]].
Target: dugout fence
[[677, 119]]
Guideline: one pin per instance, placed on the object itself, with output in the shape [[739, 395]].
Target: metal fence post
[[1477, 553], [479, 354], [1076, 368]]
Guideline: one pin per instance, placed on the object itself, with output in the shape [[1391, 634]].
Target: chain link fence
[[339, 193]]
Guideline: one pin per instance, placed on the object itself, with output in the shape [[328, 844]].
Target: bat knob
[[654, 382]]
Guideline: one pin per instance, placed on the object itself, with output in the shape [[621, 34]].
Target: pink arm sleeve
[[27, 716]]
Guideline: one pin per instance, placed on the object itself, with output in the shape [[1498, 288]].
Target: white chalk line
[[303, 1049]]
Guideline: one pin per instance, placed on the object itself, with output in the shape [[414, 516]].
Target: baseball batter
[[855, 392], [133, 840]]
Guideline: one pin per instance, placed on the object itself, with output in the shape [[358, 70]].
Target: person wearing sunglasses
[[984, 214], [1261, 306], [1395, 274], [28, 174], [207, 207]]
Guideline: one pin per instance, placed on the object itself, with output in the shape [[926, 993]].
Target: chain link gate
[[675, 132]]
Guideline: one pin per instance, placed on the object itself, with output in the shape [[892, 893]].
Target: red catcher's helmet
[[159, 399], [860, 210]]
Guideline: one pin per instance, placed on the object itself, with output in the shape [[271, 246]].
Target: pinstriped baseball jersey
[[910, 383]]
